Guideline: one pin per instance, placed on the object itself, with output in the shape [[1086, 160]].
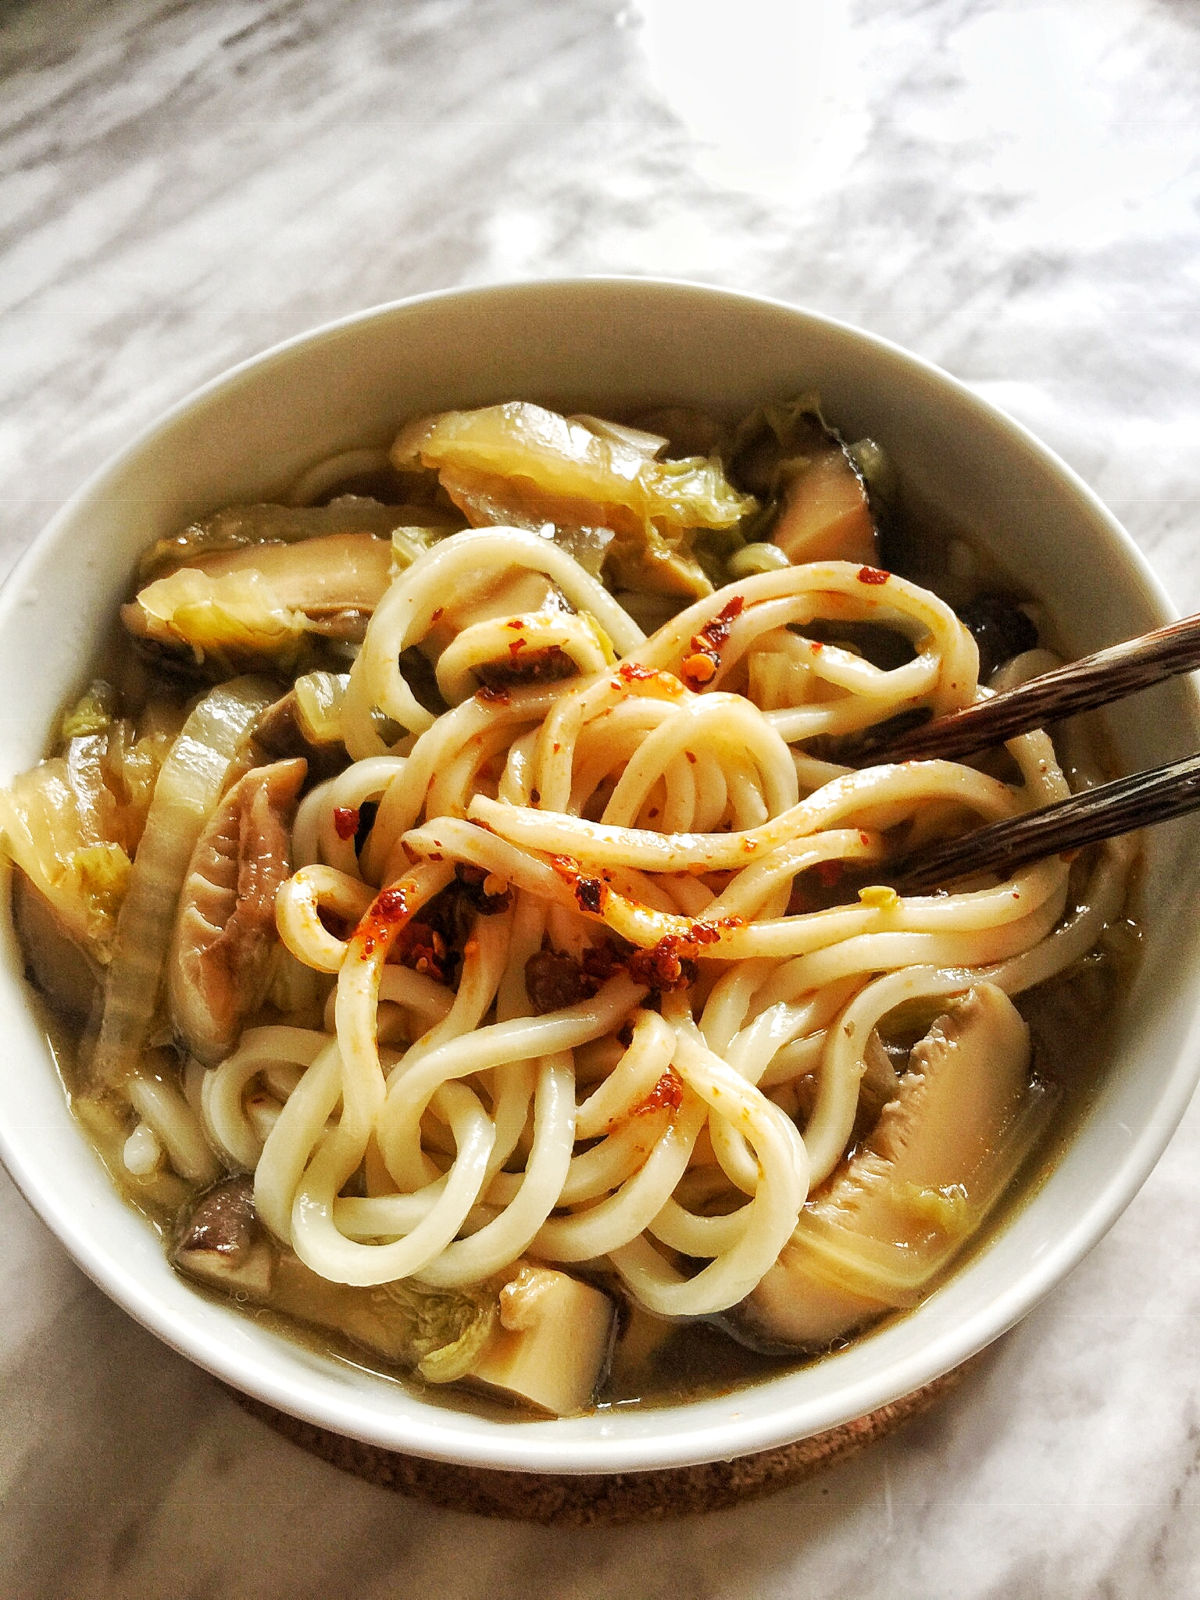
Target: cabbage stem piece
[[189, 785], [894, 1215]]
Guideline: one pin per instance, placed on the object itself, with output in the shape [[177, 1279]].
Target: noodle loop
[[646, 826]]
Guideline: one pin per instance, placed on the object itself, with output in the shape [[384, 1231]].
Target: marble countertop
[[1011, 190]]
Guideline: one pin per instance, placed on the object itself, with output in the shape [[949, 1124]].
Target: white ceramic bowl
[[609, 345]]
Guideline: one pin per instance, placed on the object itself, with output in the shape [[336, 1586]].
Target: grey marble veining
[[1012, 190]]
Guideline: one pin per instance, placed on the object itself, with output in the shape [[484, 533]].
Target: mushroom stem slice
[[825, 515], [818, 507], [552, 1342]]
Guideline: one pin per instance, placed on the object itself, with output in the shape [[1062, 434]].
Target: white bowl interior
[[611, 345]]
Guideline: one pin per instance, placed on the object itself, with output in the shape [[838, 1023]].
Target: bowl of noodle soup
[[643, 1059]]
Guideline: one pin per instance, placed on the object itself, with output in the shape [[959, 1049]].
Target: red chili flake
[[517, 646], [815, 645], [345, 821], [709, 932], [634, 672], [715, 632], [515, 622], [390, 904], [700, 667], [864, 838], [666, 965], [387, 909], [535, 797], [667, 1094], [493, 697], [436, 616], [424, 950], [652, 813], [589, 892], [692, 756], [872, 575]]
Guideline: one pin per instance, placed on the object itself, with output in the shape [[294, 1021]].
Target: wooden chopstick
[[1095, 680], [1104, 812]]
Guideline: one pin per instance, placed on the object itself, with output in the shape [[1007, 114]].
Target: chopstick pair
[[1108, 810]]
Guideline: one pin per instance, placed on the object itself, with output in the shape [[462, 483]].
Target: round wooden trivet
[[594, 1499]]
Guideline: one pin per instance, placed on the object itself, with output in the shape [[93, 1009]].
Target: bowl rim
[[710, 1431]]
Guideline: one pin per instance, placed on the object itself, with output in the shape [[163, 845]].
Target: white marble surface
[[1012, 189]]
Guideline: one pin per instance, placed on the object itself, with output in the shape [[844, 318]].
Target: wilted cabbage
[[73, 822], [523, 465], [441, 1332]]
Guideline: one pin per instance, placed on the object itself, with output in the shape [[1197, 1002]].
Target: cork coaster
[[601, 1499]]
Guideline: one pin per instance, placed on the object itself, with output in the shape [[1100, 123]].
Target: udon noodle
[[587, 966]]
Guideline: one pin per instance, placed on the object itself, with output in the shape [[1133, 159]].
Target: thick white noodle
[[456, 1117]]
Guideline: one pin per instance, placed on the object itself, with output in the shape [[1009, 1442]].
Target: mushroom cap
[[219, 962], [221, 1242]]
